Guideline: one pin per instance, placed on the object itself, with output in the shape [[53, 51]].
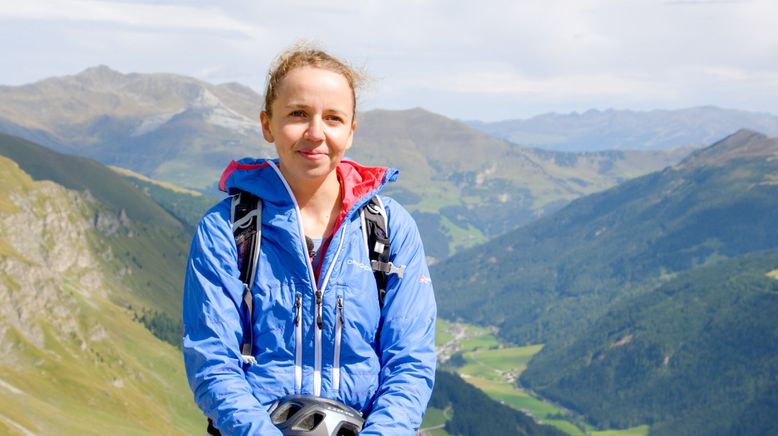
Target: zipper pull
[[298, 304], [340, 310], [319, 320]]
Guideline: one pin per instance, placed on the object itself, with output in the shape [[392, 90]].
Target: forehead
[[310, 85]]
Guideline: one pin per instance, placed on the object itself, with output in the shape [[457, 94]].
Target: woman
[[316, 310]]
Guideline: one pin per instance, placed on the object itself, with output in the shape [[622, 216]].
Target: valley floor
[[493, 366]]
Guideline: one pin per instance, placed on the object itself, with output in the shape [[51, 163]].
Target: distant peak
[[100, 72], [743, 144], [100, 69], [745, 135]]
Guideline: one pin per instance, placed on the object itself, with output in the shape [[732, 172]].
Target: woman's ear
[[264, 120], [351, 134]]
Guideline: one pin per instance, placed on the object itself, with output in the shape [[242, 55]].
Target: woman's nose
[[315, 130]]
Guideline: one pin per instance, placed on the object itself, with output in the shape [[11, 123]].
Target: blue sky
[[483, 59]]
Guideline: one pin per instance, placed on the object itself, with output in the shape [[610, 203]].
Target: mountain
[[625, 129], [461, 185], [148, 246], [464, 186], [165, 126], [698, 355], [73, 359], [547, 280]]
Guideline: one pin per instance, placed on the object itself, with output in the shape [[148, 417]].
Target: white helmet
[[303, 415]]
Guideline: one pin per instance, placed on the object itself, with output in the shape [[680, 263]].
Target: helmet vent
[[310, 422], [347, 429], [285, 412]]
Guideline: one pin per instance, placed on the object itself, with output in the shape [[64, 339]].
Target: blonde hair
[[306, 55]]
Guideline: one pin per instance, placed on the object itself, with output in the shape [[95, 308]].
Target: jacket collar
[[358, 183]]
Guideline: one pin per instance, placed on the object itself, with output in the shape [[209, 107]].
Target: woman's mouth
[[312, 155]]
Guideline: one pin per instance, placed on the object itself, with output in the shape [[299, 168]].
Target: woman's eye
[[335, 118]]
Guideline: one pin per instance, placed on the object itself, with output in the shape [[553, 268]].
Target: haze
[[485, 60]]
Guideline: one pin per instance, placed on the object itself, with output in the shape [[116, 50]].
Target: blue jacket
[[390, 380]]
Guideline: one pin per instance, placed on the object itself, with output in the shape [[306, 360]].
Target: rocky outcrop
[[72, 359], [49, 259]]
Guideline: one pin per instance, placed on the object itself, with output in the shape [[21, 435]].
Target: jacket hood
[[261, 177]]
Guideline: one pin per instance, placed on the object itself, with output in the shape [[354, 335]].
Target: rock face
[[72, 360], [50, 257]]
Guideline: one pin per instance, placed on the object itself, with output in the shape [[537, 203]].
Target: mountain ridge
[[185, 131], [743, 144], [628, 129], [574, 263]]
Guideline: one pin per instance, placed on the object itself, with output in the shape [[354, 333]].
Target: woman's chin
[[312, 172]]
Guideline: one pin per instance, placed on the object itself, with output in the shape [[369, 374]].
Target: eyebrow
[[305, 106]]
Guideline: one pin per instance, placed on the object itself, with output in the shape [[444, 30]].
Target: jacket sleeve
[[213, 331], [407, 343]]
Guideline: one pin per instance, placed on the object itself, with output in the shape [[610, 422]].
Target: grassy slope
[[129, 383], [434, 420], [90, 369]]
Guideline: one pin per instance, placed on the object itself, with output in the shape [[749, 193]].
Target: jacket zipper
[[319, 320], [311, 277], [338, 334], [317, 291], [298, 343]]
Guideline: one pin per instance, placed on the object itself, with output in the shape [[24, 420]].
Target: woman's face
[[312, 124]]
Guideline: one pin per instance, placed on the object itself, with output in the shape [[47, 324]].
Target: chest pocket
[[274, 317], [358, 309]]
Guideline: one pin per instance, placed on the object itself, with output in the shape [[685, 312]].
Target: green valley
[[546, 280], [654, 299], [486, 362]]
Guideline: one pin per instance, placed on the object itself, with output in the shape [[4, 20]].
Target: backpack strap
[[375, 231], [246, 218]]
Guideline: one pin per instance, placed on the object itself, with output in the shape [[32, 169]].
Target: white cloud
[[154, 15], [454, 55]]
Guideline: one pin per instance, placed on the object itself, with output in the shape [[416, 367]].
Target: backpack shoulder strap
[[246, 219], [375, 227]]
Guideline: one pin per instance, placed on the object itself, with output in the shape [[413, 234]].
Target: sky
[[475, 60]]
